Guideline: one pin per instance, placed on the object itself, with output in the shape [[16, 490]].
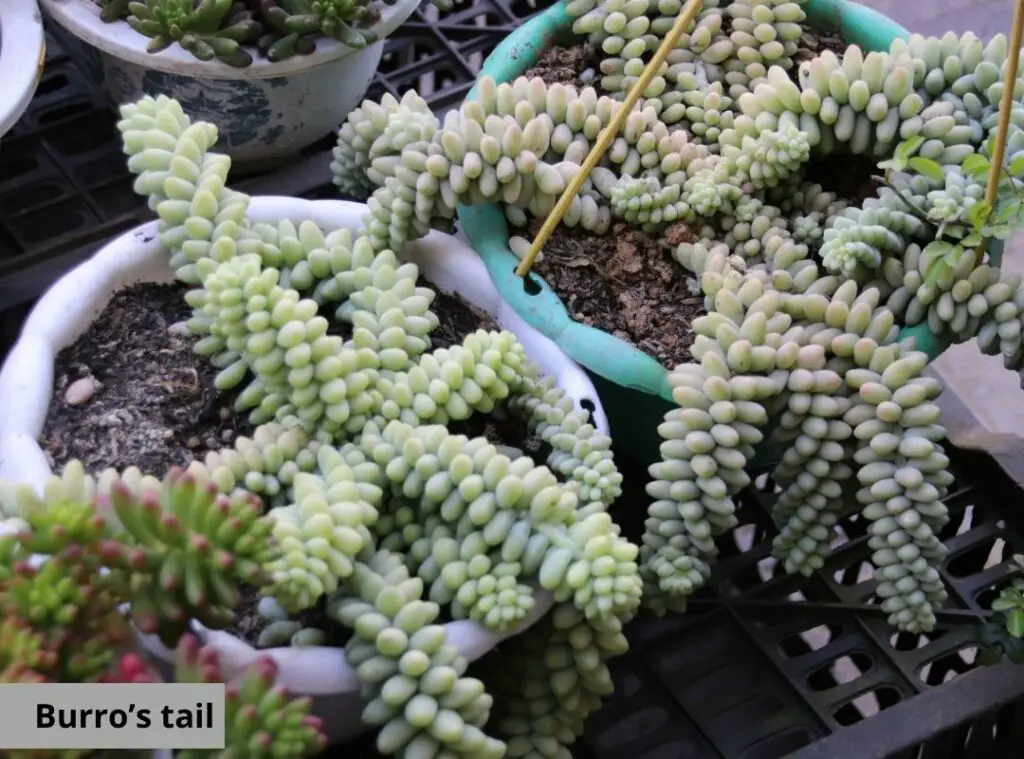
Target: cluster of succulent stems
[[354, 494], [809, 296]]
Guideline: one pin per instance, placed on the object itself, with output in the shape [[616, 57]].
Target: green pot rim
[[535, 301]]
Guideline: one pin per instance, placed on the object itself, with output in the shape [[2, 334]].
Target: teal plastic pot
[[633, 386]]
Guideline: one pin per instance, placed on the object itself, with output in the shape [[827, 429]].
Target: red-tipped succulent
[[261, 718], [188, 549]]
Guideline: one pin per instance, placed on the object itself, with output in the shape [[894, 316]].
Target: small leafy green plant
[[961, 227]]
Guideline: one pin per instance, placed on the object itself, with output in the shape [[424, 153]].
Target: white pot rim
[[22, 55], [67, 309], [82, 18]]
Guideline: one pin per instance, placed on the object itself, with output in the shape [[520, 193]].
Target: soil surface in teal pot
[[633, 385]]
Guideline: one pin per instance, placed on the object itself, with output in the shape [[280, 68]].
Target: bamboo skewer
[[998, 156], [604, 140]]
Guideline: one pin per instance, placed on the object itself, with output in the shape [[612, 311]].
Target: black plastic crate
[[765, 664]]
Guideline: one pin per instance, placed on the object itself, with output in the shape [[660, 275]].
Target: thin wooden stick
[[1005, 108], [604, 140]]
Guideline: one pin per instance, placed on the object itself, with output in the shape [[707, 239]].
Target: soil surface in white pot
[[626, 282], [131, 392]]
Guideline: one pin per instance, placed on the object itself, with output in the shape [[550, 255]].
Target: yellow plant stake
[[1005, 107], [604, 140]]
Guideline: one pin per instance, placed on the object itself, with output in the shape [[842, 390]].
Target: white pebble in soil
[[80, 391], [179, 328]]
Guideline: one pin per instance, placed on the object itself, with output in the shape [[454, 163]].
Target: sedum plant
[[233, 31], [102, 545], [806, 292]]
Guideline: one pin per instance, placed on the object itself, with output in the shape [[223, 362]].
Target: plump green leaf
[[972, 240], [926, 167], [1009, 212], [935, 269], [907, 148], [1017, 166], [1007, 600], [937, 249], [975, 165], [937, 257], [978, 213], [998, 231], [1015, 623]]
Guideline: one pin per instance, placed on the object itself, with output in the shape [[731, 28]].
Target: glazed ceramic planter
[[65, 312], [633, 385], [22, 53], [264, 112]]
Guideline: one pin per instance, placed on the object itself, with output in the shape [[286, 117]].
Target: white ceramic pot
[[22, 54], [265, 112], [65, 312]]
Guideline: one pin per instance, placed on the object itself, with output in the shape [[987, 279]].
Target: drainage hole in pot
[[530, 284]]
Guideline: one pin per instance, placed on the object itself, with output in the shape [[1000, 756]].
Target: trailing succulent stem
[[367, 487], [260, 716]]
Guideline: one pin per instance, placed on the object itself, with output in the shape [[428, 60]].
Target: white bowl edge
[[82, 19], [22, 54], [76, 299]]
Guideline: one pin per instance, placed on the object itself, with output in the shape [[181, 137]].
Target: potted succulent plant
[[273, 75], [786, 230], [62, 621], [22, 53], [423, 504]]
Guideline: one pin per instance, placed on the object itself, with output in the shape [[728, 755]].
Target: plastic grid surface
[[63, 181]]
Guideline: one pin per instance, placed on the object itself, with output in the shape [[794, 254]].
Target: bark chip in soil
[[626, 283]]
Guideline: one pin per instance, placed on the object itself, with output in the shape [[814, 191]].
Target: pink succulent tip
[[265, 668]]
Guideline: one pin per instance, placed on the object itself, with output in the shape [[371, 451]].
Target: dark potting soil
[[849, 176], [152, 402], [813, 42], [563, 65], [458, 318], [627, 283], [249, 624], [148, 400]]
